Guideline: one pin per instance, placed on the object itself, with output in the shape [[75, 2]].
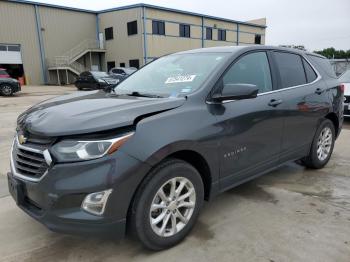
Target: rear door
[[251, 129], [304, 94]]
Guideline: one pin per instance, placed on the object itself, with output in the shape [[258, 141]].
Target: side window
[[109, 33], [158, 27], [132, 28], [324, 64], [221, 35], [209, 33], [185, 30], [251, 69], [310, 73], [291, 69]]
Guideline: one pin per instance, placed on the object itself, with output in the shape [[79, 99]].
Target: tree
[[332, 53]]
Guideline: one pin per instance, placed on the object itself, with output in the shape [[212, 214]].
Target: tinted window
[[324, 64], [291, 69], [132, 28], [117, 71], [134, 63], [310, 73], [222, 35], [3, 72], [209, 33], [109, 33], [3, 48], [158, 28], [185, 31], [257, 39], [251, 69], [110, 65], [14, 48]]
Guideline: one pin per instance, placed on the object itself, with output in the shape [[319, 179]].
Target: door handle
[[275, 102], [318, 91]]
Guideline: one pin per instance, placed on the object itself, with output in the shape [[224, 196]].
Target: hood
[[87, 112]]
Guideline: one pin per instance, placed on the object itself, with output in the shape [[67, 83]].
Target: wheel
[[167, 204], [6, 90], [322, 146]]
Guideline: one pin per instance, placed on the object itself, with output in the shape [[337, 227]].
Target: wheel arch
[[334, 119]]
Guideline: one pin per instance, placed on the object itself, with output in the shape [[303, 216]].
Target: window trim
[[158, 21], [127, 27], [273, 71]]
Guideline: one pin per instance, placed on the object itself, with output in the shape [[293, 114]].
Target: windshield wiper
[[138, 94]]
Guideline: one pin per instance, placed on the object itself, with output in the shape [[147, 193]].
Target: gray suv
[[179, 131]]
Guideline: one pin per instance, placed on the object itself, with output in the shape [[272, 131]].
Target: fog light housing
[[95, 203]]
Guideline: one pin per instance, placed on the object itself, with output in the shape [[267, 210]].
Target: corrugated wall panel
[[18, 26]]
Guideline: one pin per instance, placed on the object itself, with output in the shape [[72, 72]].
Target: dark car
[[9, 86], [121, 73], [94, 80], [179, 131], [345, 80]]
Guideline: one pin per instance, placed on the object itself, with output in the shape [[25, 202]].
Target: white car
[[345, 80]]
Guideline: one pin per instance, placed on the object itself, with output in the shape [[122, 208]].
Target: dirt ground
[[291, 214]]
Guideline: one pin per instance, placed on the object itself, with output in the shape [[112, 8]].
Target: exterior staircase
[[69, 62]]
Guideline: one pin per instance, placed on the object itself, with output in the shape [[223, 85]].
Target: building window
[[109, 33], [221, 35], [134, 63], [122, 64], [257, 40], [132, 28], [110, 65], [209, 33], [185, 30], [158, 28]]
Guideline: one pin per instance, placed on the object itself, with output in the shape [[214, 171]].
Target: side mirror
[[236, 92]]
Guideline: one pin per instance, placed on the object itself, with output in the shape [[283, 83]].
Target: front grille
[[28, 160]]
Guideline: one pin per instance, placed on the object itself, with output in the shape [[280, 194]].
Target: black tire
[[141, 215], [6, 90], [313, 160]]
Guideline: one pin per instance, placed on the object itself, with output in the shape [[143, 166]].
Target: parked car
[[94, 80], [9, 86], [3, 73], [179, 131], [345, 80], [121, 73]]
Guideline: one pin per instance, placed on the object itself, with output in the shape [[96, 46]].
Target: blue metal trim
[[41, 43], [196, 38], [202, 32], [237, 37], [144, 34], [97, 27]]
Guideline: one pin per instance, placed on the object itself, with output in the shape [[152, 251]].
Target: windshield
[[98, 74], [173, 75], [345, 77]]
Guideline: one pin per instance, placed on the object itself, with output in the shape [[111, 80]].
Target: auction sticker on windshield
[[180, 79]]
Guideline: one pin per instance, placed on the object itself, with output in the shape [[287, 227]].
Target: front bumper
[[56, 199]]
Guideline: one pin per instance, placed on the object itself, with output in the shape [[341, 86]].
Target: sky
[[314, 24]]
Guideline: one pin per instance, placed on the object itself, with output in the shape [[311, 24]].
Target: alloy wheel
[[324, 143], [172, 206]]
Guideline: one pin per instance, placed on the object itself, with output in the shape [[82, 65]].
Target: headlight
[[78, 150]]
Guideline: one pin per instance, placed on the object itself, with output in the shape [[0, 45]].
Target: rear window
[[310, 73], [324, 64], [291, 69]]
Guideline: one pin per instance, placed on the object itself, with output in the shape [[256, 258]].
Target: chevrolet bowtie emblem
[[22, 139]]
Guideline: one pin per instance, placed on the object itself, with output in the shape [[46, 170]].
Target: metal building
[[52, 44]]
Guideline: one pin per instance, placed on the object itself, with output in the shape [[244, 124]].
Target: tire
[[153, 237], [6, 90], [321, 150]]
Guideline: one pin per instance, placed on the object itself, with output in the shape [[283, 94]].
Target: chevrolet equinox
[[142, 157]]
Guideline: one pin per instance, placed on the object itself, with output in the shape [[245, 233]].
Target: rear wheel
[[6, 90], [322, 146], [167, 204]]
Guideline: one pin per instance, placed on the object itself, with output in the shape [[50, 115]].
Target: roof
[[140, 5]]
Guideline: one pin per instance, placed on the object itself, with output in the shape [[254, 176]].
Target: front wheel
[[167, 204], [322, 146]]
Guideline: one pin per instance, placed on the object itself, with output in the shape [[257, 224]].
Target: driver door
[[251, 129]]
